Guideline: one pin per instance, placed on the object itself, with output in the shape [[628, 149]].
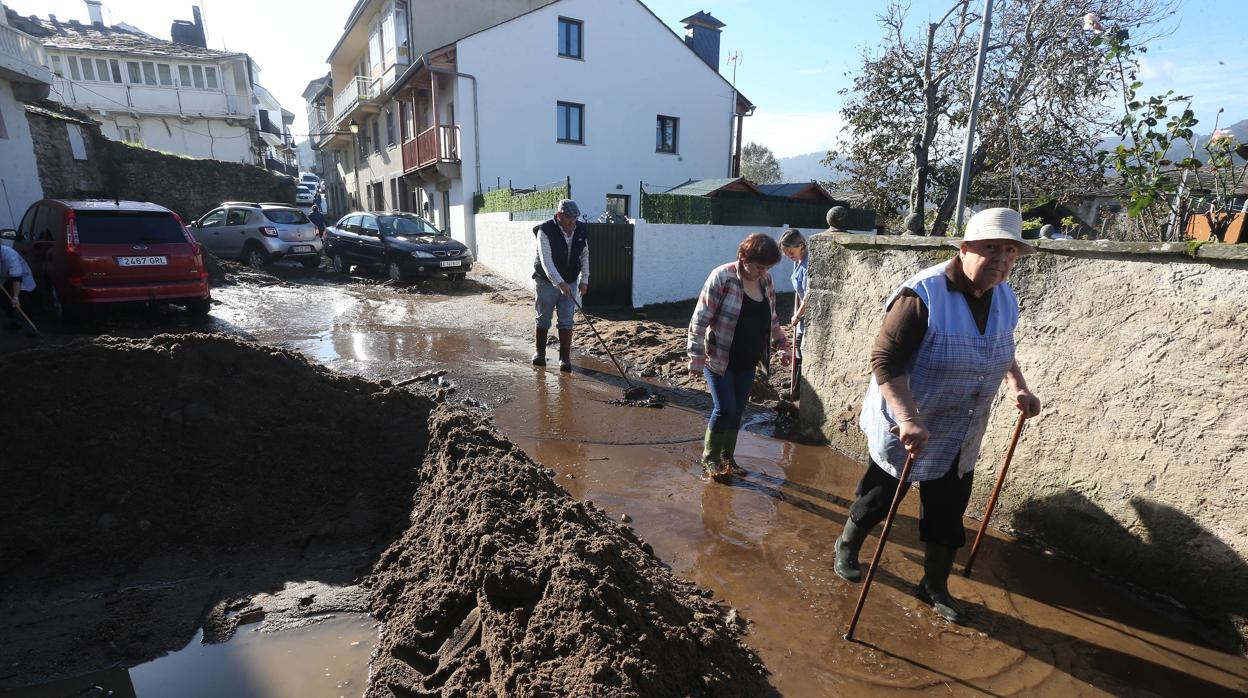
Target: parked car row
[[87, 252]]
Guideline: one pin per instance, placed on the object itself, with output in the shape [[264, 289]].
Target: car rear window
[[127, 227], [288, 216]]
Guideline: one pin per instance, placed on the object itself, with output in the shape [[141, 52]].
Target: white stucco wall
[[671, 262], [19, 178], [634, 69], [212, 139], [507, 247]]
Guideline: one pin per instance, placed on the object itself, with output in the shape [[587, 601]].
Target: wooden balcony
[[432, 147]]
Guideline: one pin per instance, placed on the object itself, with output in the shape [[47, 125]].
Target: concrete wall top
[[1105, 249]]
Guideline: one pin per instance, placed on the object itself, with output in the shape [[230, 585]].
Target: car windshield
[[127, 227], [285, 215], [303, 188], [406, 225]]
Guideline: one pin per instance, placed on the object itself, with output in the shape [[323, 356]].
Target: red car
[[92, 251]]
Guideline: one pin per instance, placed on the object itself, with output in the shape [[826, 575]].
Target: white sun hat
[[998, 224]]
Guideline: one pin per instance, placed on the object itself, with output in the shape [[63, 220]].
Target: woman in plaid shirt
[[730, 334]]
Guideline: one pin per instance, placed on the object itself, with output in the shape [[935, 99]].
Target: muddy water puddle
[[326, 659], [1040, 625]]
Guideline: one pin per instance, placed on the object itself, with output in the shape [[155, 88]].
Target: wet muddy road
[[1040, 625]]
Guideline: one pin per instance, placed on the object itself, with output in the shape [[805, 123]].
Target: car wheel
[[256, 257], [65, 313], [311, 263], [457, 280], [341, 265], [396, 270], [198, 307]]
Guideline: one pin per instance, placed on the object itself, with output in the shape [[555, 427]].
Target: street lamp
[[354, 126]]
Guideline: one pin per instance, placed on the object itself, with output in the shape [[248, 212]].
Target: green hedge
[[745, 211], [507, 201]]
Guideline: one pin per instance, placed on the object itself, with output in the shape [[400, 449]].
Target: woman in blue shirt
[[793, 245]]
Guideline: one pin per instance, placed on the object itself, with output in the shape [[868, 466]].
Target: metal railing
[[358, 89], [25, 48]]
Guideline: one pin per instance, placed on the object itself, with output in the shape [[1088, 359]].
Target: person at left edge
[[18, 283]]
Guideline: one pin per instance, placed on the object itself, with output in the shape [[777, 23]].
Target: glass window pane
[[574, 40], [197, 72], [562, 119], [184, 75], [56, 66], [166, 74], [116, 66], [101, 67], [73, 68], [88, 69], [576, 115], [149, 73], [210, 77], [134, 73]]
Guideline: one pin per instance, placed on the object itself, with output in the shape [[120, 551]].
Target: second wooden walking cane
[[879, 547], [996, 491]]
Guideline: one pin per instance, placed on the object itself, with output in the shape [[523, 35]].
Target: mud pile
[[126, 448], [504, 585], [223, 272], [225, 456]]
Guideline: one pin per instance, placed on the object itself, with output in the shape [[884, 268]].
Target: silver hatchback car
[[259, 234]]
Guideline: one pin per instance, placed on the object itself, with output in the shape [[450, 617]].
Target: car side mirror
[[8, 234]]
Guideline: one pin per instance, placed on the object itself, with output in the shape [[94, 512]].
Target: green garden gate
[[610, 265]]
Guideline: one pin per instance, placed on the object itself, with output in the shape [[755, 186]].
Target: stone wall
[[111, 169], [1140, 354]]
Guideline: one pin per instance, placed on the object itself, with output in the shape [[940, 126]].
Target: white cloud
[[1156, 70], [794, 133]]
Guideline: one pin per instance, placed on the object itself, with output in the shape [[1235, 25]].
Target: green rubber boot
[[934, 589], [730, 451], [712, 453], [847, 547]]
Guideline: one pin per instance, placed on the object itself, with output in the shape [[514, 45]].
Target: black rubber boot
[[847, 547], [539, 356], [565, 351], [934, 589]]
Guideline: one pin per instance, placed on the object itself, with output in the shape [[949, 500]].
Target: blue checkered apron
[[954, 377]]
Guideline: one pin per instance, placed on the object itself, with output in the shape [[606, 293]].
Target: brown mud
[[188, 480]]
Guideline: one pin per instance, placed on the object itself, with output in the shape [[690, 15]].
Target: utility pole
[[734, 119], [965, 185]]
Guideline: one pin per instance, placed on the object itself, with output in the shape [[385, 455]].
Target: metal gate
[[610, 265]]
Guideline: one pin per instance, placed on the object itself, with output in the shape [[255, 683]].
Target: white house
[[22, 78], [600, 91], [175, 96]]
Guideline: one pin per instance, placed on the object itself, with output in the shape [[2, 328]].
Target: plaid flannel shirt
[[714, 321]]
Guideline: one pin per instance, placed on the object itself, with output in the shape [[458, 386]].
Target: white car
[[310, 179], [305, 194]]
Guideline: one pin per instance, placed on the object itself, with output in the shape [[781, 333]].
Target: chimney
[[702, 35], [95, 11], [192, 33]]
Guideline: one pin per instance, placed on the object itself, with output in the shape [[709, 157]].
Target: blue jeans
[[549, 299], [730, 393]]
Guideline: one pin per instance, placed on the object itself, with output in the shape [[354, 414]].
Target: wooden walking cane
[[879, 547], [992, 501]]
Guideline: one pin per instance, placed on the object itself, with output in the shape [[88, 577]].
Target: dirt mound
[[504, 585], [132, 447], [223, 272]]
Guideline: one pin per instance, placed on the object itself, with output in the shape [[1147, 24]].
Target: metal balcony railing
[[22, 53], [359, 89]]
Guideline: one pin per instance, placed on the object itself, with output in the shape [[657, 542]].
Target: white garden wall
[[671, 262], [507, 247]]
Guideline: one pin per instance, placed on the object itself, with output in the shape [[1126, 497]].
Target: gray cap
[[568, 207]]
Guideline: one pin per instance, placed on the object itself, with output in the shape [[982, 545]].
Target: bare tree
[[1044, 106]]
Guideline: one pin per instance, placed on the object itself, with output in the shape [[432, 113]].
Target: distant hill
[[1239, 129], [804, 168]]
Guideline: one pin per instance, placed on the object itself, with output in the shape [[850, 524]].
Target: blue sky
[[796, 53]]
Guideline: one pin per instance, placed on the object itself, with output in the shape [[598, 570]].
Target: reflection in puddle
[[328, 659]]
